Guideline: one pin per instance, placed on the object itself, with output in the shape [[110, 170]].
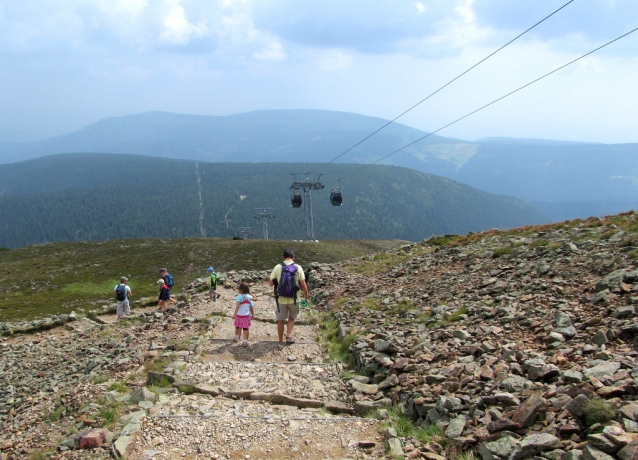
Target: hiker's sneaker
[[235, 339], [245, 343]]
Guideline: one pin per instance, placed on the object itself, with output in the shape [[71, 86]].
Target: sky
[[67, 63]]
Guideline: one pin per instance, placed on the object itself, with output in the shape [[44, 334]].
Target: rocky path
[[264, 401]]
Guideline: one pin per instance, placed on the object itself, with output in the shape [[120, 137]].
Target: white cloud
[[177, 29], [420, 7], [273, 52], [335, 60], [127, 11]]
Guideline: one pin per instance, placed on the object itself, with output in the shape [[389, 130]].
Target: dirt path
[[263, 401]]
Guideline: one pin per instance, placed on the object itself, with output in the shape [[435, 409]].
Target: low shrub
[[597, 410]]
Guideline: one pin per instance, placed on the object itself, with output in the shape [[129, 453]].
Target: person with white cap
[[122, 294]]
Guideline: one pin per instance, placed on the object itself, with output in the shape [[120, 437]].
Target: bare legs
[[280, 329]]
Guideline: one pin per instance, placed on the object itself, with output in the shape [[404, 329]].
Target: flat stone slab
[[236, 437], [227, 350], [309, 381]]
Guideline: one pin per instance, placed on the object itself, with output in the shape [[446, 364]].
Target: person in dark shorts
[[168, 282], [164, 294]]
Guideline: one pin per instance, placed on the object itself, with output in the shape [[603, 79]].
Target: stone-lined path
[[264, 401]]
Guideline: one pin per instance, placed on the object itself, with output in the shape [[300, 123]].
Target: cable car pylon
[[264, 214], [307, 182]]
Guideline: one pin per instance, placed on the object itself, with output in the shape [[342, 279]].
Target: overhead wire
[[499, 99], [447, 84]]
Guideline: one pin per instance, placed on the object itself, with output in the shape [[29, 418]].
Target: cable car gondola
[[335, 195], [295, 199]]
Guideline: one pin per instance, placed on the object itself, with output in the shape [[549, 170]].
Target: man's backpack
[[120, 293], [287, 286], [169, 280]]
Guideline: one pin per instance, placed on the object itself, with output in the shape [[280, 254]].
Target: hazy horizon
[[67, 64]]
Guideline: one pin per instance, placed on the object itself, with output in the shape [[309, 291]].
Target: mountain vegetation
[[562, 179], [60, 277], [81, 197]]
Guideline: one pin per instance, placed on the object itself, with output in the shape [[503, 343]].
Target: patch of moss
[[57, 413], [99, 378], [120, 387], [187, 389], [502, 252], [456, 316]]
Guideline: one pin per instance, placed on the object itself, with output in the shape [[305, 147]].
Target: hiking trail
[[264, 401]]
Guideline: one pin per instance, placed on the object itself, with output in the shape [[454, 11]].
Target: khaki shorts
[[123, 308], [286, 311]]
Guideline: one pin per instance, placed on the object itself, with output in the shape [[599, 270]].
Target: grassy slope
[[60, 277]]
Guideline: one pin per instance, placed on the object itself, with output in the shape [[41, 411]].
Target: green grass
[[405, 428], [403, 306], [337, 349], [346, 375], [502, 251], [60, 277], [466, 455], [157, 365], [57, 413], [383, 261], [456, 316], [597, 410], [99, 378], [187, 389], [108, 414], [41, 455], [538, 243], [442, 241], [120, 387]]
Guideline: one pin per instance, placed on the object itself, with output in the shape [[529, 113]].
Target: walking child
[[212, 291], [244, 311], [164, 294]]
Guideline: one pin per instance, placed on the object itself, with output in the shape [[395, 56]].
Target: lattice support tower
[[307, 182], [264, 214]]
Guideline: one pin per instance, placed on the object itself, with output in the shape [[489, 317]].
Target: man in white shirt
[[122, 293]]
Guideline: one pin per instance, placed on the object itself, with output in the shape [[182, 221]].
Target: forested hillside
[[99, 196], [563, 179]]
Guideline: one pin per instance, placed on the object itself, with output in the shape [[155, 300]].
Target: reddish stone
[[94, 438], [400, 363], [525, 414], [566, 430], [504, 424]]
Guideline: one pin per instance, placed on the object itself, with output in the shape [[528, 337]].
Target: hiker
[[164, 294], [244, 312], [122, 293], [168, 281], [212, 291], [288, 278]]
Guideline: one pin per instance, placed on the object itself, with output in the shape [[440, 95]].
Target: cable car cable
[[499, 99], [447, 84]]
